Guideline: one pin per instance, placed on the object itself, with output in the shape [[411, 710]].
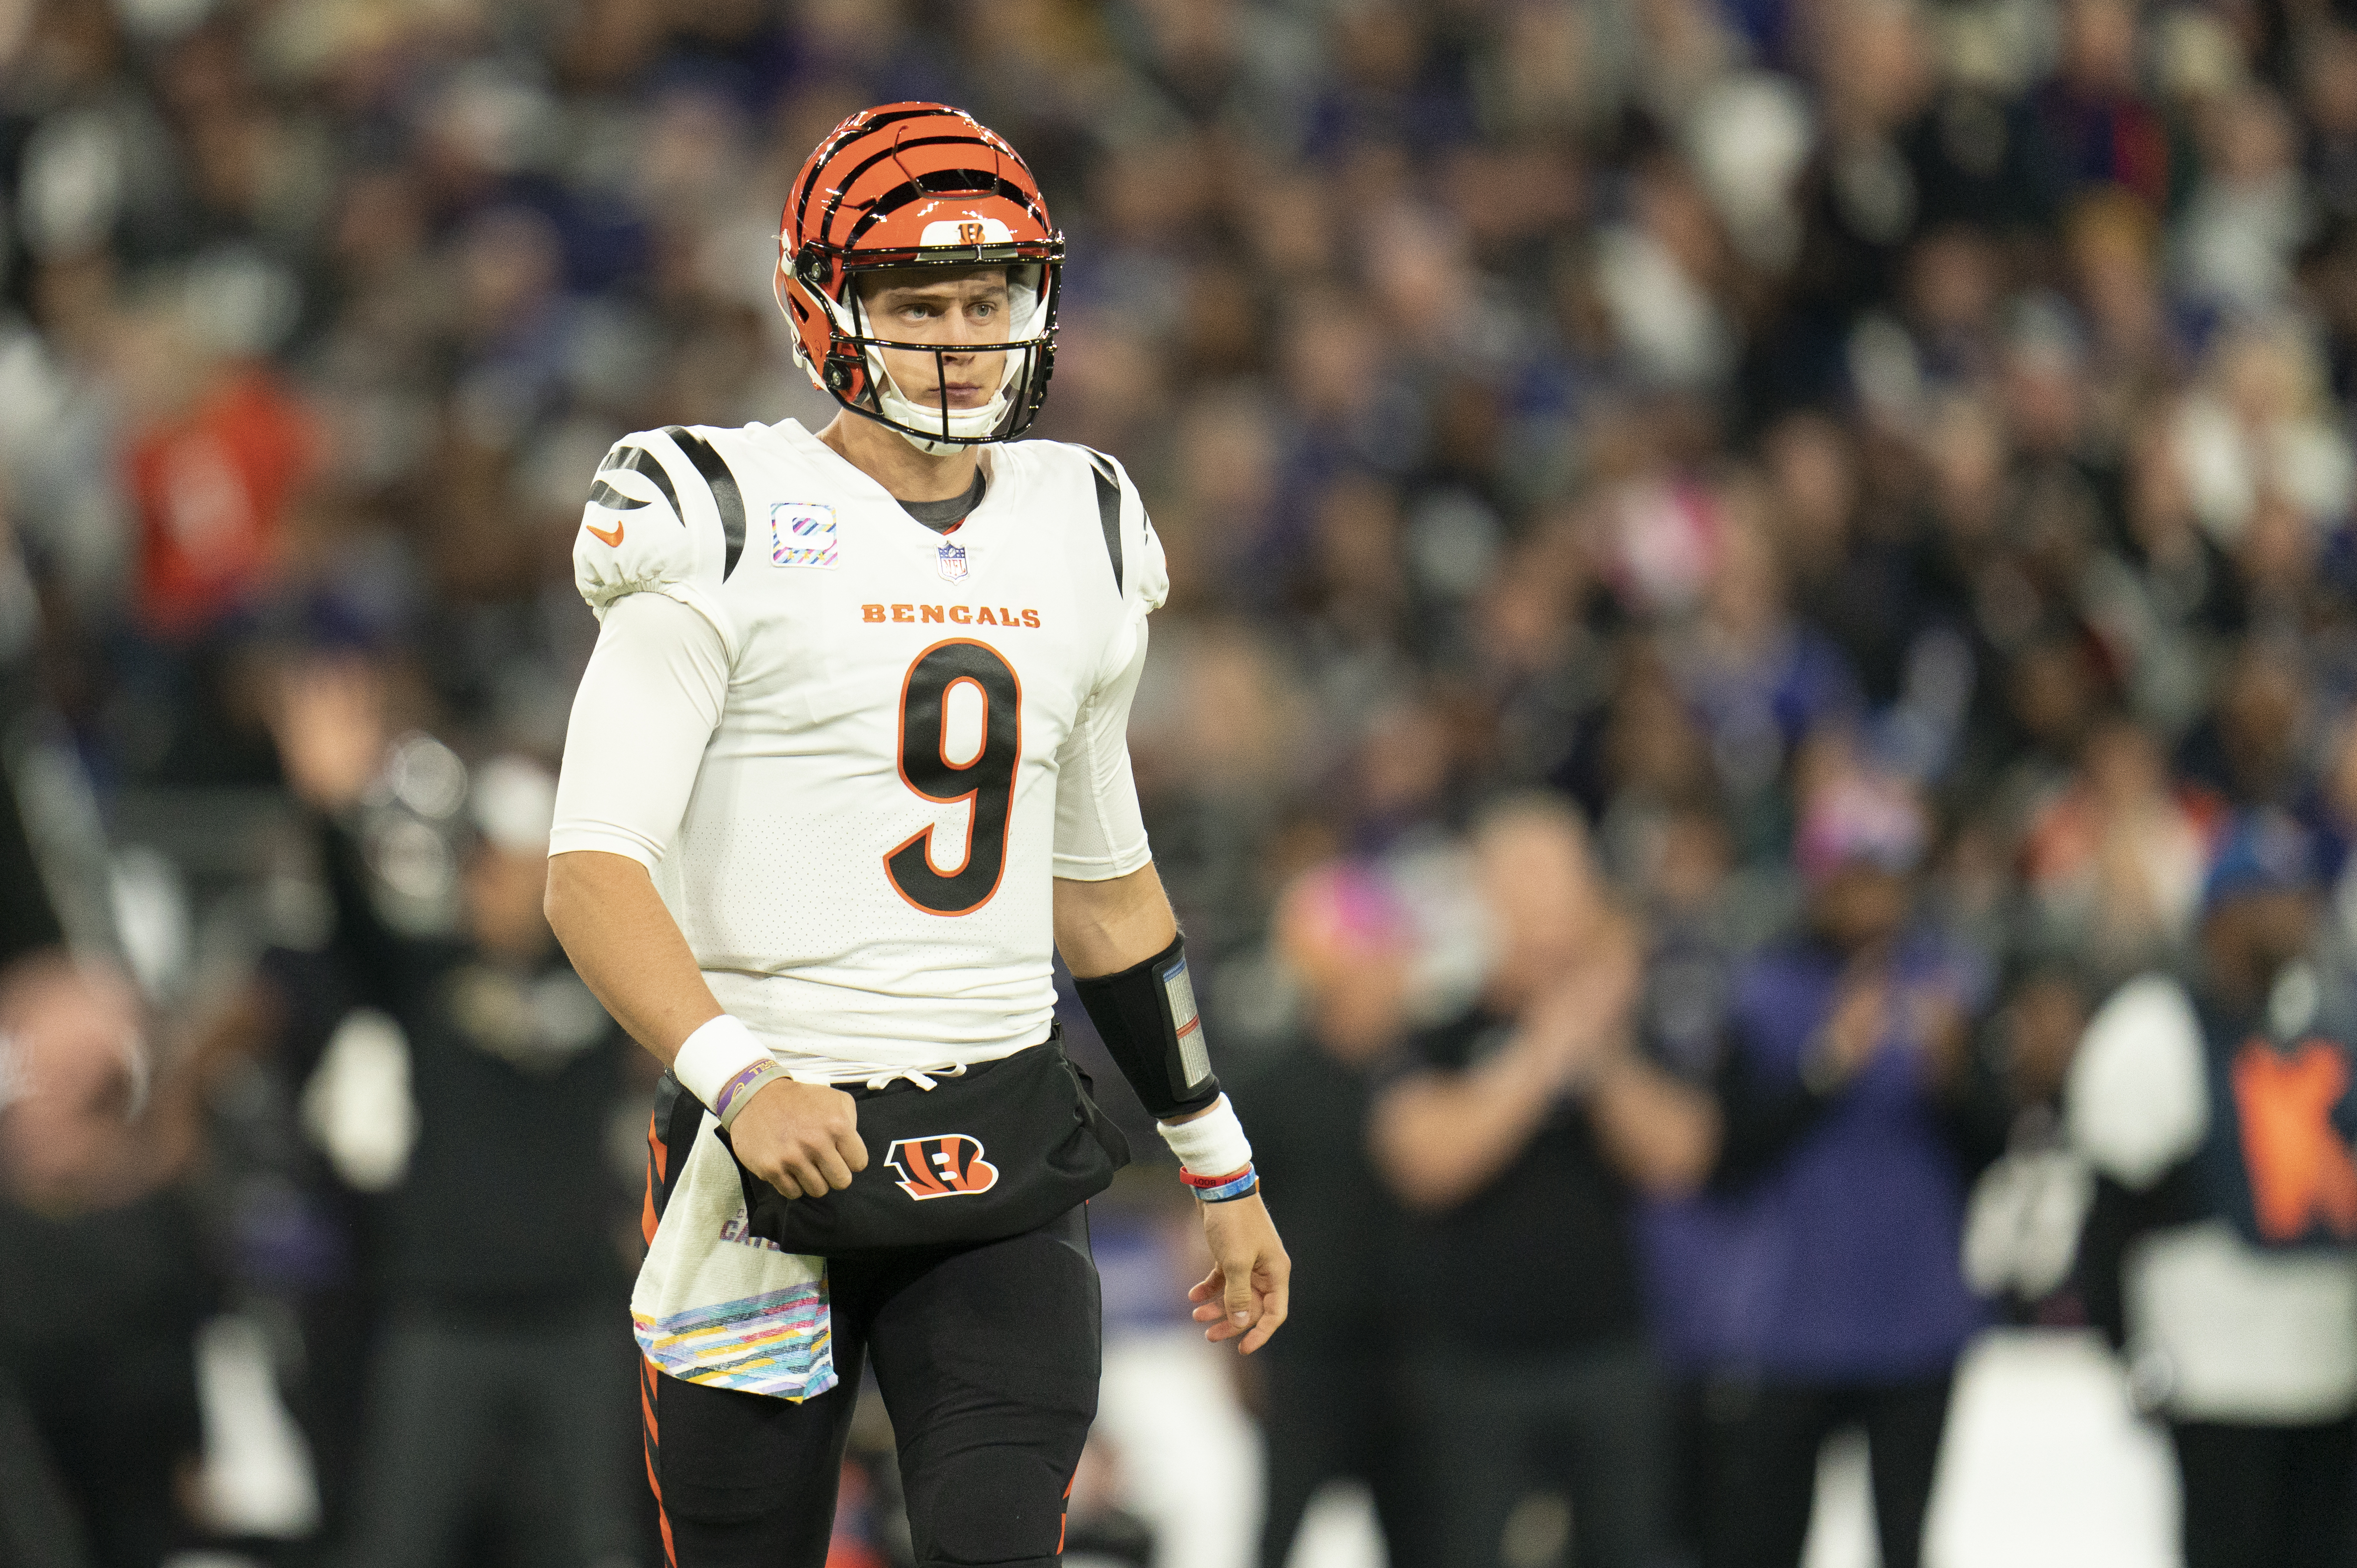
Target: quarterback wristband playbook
[[1146, 1017], [723, 1065]]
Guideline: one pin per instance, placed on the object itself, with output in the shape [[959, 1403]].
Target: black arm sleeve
[[2115, 1221], [1146, 1017]]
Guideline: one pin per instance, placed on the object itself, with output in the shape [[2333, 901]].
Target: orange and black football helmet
[[917, 185]]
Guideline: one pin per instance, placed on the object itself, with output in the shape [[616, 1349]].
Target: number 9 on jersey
[[985, 780]]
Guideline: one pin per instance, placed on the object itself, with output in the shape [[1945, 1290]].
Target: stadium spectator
[[498, 1389], [1329, 1392], [1846, 1091], [106, 1277], [2114, 860], [2218, 1097], [1514, 1131]]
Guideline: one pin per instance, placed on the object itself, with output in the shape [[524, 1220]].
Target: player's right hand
[[800, 1138]]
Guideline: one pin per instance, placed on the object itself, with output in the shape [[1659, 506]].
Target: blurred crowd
[[1747, 575]]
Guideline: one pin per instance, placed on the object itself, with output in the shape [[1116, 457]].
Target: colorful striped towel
[[715, 1305]]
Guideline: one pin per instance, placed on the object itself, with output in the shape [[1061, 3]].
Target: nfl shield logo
[[953, 560]]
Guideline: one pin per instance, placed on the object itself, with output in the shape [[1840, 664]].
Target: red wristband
[[1191, 1179]]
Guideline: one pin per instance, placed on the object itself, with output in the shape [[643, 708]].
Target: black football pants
[[988, 1357], [2268, 1497]]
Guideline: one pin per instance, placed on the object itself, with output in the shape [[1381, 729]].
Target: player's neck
[[886, 456]]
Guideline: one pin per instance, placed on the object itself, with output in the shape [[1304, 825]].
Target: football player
[[849, 755]]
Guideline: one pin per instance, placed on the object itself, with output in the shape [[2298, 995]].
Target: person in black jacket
[[1331, 1388], [499, 1386]]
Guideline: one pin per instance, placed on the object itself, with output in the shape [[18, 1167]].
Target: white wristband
[[711, 1059], [1213, 1144]]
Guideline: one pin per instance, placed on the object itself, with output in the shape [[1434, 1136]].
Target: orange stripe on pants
[[654, 1448]]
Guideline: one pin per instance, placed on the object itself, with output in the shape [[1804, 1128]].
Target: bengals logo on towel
[[948, 1165]]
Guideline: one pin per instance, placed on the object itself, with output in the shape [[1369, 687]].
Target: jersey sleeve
[[2137, 1099], [657, 522], [1146, 575], [648, 705], [1135, 550], [1100, 834]]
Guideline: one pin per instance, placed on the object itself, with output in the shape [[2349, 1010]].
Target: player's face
[[925, 305]]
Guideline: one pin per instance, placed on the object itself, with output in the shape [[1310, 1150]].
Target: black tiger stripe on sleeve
[[637, 460], [727, 497], [1101, 469]]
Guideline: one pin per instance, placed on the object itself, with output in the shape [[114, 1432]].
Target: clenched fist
[[800, 1138]]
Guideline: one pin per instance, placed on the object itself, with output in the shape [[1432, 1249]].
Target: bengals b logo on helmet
[[947, 1165]]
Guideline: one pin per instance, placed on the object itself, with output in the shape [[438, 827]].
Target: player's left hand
[[1246, 1291]]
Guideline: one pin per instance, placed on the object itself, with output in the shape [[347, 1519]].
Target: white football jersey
[[913, 733]]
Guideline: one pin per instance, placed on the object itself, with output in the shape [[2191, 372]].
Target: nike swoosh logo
[[614, 539]]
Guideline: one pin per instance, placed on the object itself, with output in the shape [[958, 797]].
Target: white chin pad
[[966, 424]]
